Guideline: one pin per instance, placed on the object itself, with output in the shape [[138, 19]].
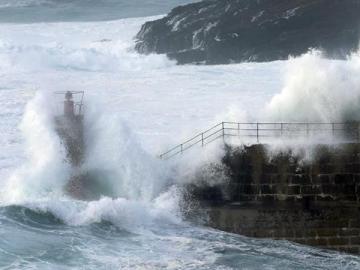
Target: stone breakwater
[[315, 202]]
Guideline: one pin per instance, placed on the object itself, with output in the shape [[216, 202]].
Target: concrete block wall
[[316, 202], [332, 175]]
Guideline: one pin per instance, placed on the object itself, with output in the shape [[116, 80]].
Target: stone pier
[[314, 202]]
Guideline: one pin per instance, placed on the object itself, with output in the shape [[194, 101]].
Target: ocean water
[[30, 11], [136, 106]]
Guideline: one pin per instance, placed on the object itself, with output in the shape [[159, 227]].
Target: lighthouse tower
[[69, 126]]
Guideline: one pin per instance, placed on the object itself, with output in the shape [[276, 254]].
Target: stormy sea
[[136, 106]]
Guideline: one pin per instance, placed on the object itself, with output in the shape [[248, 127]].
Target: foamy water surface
[[136, 107]]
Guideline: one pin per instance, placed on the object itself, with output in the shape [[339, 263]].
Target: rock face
[[227, 31]]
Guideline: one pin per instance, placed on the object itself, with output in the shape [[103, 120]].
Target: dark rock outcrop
[[226, 31]]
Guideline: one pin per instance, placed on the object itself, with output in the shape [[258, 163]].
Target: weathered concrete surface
[[282, 197]]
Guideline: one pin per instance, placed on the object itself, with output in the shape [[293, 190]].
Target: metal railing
[[78, 98], [259, 132]]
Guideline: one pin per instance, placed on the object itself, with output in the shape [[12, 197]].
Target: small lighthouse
[[69, 126], [83, 184], [69, 106]]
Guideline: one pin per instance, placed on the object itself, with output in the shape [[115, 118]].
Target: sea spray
[[44, 171], [143, 191], [130, 215], [113, 148], [159, 102], [317, 89]]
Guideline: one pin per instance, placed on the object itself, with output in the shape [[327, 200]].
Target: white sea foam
[[131, 215], [138, 106], [112, 147], [317, 89], [144, 194], [44, 171]]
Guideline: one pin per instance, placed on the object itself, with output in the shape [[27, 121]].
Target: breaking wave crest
[[44, 171], [317, 89], [130, 215], [143, 194]]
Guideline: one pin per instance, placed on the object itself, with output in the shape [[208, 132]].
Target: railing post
[[239, 130], [181, 148], [333, 130], [257, 132], [202, 139], [281, 130]]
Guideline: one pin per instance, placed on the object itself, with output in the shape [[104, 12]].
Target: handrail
[[78, 102], [347, 130]]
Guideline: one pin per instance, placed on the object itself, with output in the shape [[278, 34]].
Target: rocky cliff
[[227, 31]]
